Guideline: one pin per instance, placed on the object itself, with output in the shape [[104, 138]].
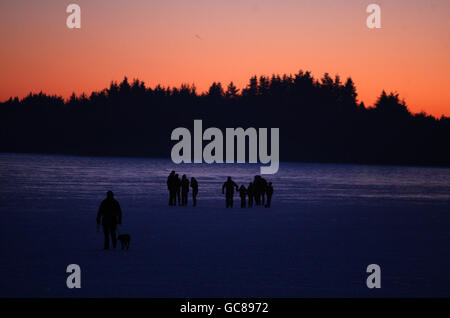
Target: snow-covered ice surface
[[327, 223]]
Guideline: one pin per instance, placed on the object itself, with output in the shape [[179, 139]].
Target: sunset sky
[[200, 41]]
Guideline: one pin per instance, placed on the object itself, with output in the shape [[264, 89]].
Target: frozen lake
[[326, 224]]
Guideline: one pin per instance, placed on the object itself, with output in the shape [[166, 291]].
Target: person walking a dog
[[109, 215]]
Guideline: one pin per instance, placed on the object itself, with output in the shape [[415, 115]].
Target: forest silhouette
[[320, 120]]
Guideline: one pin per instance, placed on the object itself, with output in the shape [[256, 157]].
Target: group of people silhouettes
[[179, 189], [257, 192]]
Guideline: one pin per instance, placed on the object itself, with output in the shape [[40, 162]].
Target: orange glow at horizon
[[200, 41]]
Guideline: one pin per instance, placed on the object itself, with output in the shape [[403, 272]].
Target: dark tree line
[[319, 120]]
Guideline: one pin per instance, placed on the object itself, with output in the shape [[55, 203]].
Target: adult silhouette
[[171, 186], [109, 215], [250, 193], [257, 188], [269, 194], [178, 189], [194, 186], [263, 189], [242, 194], [184, 190], [229, 187]]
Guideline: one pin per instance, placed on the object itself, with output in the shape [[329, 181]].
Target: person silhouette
[[269, 194], [194, 186], [250, 194], [242, 194], [263, 189], [178, 189], [171, 186], [257, 189], [229, 186], [184, 190], [109, 215]]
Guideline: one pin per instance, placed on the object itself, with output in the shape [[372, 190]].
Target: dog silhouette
[[124, 241]]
